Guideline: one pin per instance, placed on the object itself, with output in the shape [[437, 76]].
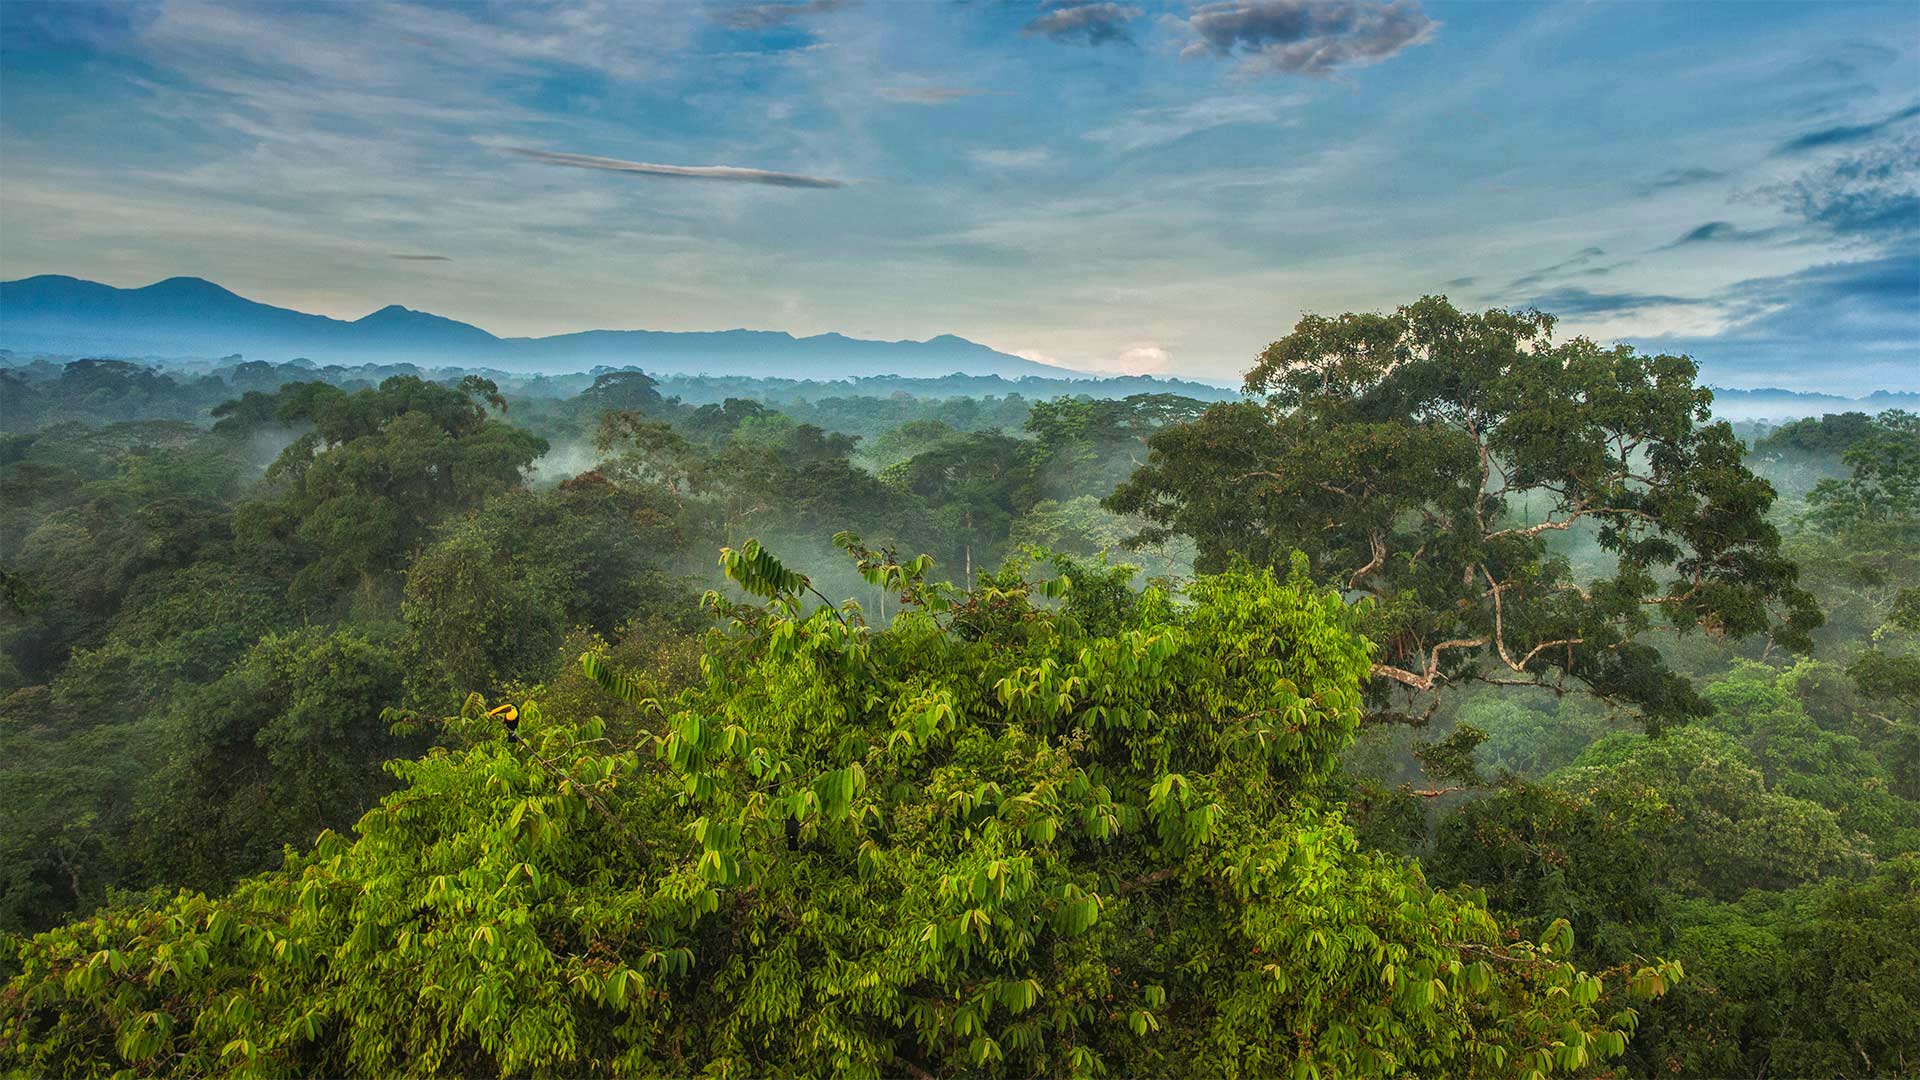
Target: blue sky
[[1124, 186]]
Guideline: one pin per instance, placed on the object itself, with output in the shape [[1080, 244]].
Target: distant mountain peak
[[190, 286], [404, 325]]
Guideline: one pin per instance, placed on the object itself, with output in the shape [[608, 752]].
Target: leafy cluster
[[1022, 849]]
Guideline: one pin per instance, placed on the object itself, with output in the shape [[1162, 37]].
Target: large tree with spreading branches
[[1518, 509]]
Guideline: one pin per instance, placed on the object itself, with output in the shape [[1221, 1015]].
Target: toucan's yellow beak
[[505, 712]]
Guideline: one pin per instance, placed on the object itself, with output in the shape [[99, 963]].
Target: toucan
[[509, 719]]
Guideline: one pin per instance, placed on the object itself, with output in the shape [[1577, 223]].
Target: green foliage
[[376, 470], [70, 798], [1722, 828], [101, 392], [1882, 493], [1532, 737], [473, 617], [1424, 458], [95, 514], [1740, 847], [1094, 445], [1544, 852], [1799, 758], [1023, 850], [488, 602], [1819, 981], [1831, 435], [286, 744]]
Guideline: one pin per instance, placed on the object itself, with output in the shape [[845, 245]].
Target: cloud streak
[[927, 95], [1720, 232], [727, 173], [420, 258], [1843, 135], [1801, 328], [1574, 300], [1677, 178], [769, 16], [1307, 37], [1156, 127], [1582, 263], [1012, 159]]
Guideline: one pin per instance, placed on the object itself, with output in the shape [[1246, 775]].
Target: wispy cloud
[[1576, 301], [1583, 263], [768, 16], [1155, 127], [1869, 197], [1855, 321], [1678, 178], [1845, 134], [927, 95], [1107, 199], [1011, 159], [1720, 232], [1087, 24], [690, 172], [1307, 37], [1834, 326]]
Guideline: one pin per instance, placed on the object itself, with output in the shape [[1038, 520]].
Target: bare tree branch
[[1379, 560]]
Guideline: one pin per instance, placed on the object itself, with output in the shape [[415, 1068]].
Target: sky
[[1109, 186]]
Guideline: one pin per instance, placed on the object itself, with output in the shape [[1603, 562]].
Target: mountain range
[[192, 317], [1770, 403]]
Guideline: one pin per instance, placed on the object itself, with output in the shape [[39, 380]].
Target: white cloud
[[927, 95], [1010, 160], [1155, 127], [1144, 358]]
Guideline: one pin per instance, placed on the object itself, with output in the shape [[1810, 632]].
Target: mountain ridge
[[190, 316]]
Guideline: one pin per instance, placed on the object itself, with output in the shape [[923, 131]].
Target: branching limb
[[1379, 560], [1431, 678]]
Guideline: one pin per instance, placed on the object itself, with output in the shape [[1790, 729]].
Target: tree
[[1425, 459], [1881, 496], [474, 619], [908, 440], [1830, 435], [1722, 828], [982, 842], [487, 603], [1856, 985], [973, 487], [1816, 981], [98, 518], [288, 743], [1092, 445], [379, 468], [620, 391], [1861, 539]]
